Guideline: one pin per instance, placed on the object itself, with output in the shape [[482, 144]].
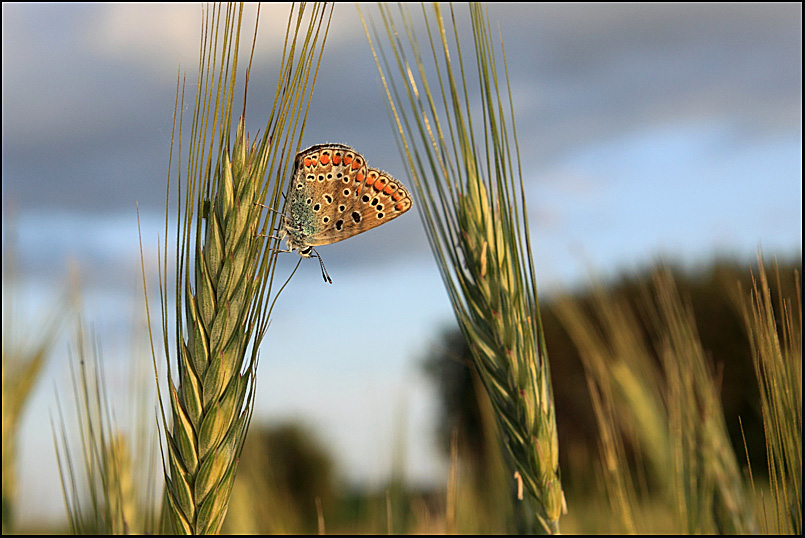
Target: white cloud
[[159, 36]]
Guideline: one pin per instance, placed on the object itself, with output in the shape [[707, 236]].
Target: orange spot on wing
[[399, 207], [356, 164], [371, 179], [324, 159], [397, 196], [359, 177], [379, 184], [389, 189], [307, 161], [336, 159], [348, 159]]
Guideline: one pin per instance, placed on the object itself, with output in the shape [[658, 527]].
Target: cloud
[[88, 89], [157, 37]]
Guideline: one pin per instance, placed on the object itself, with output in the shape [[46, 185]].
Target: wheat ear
[[225, 260], [471, 200]]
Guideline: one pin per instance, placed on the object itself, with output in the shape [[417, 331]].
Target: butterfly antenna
[[324, 272]]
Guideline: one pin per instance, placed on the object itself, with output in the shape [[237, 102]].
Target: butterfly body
[[334, 195]]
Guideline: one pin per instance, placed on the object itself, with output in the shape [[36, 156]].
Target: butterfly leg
[[267, 207]]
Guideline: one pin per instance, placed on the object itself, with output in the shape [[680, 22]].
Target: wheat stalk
[[669, 411], [224, 268], [108, 488], [471, 201], [708, 480], [625, 385], [24, 355], [776, 343]]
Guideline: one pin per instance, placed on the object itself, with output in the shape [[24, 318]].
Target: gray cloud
[[91, 134]]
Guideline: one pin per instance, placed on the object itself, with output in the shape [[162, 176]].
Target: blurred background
[[647, 133]]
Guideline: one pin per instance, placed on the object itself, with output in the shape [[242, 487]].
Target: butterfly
[[334, 195]]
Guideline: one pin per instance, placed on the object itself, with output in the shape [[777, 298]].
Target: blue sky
[[645, 131]]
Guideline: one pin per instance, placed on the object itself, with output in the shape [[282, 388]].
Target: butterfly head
[[295, 239]]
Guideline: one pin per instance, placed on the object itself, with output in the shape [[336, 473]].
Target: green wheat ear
[[211, 405], [224, 268], [467, 176]]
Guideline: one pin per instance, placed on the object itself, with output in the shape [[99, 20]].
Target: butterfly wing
[[334, 195]]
